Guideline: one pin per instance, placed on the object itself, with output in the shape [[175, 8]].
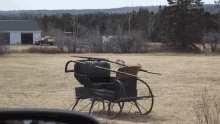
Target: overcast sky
[[6, 5]]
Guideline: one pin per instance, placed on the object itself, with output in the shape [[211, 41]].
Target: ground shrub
[[48, 50]]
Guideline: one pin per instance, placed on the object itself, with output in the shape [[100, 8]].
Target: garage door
[[26, 38]]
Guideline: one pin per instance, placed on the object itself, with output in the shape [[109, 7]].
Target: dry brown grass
[[39, 49], [39, 81], [17, 43], [153, 48]]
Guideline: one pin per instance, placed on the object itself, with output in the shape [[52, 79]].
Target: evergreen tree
[[102, 27], [160, 19], [183, 25], [45, 21], [134, 21], [214, 22], [52, 19], [125, 26], [59, 24]]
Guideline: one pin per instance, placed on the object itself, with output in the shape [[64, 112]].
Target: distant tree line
[[181, 25]]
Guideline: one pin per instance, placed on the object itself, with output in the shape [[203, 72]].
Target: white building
[[22, 31]]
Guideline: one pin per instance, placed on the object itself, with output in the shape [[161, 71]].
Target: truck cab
[[45, 40]]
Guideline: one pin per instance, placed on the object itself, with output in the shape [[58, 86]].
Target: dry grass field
[[152, 47], [39, 81]]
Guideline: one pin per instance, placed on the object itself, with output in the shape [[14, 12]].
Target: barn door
[[26, 38]]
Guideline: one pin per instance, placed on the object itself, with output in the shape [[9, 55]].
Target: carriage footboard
[[83, 92]]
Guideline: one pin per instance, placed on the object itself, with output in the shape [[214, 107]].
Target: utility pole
[[98, 28], [205, 38], [98, 33], [130, 19], [129, 23]]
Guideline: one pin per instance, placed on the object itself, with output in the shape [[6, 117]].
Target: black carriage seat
[[88, 75], [93, 75]]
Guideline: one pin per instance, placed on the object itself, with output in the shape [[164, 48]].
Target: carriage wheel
[[82, 105], [97, 107], [114, 109], [105, 109], [143, 103], [149, 100]]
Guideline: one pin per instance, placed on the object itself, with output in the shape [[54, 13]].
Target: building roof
[[19, 25]]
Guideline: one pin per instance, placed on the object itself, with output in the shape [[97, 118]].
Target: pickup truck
[[45, 40]]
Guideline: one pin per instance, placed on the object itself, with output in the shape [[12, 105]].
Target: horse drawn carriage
[[111, 92]]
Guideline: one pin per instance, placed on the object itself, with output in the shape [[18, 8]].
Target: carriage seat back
[[128, 69], [92, 73], [129, 82]]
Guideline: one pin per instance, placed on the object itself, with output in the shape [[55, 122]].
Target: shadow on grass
[[134, 118], [140, 118]]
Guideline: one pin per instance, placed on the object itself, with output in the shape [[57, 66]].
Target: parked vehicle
[[45, 40]]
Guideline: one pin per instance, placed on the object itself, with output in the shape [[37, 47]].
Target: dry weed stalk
[[206, 108]]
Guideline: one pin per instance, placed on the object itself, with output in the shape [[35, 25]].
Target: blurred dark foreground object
[[17, 116]]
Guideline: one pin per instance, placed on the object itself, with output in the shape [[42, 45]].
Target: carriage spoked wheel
[[142, 104], [105, 109], [114, 109], [89, 106], [82, 105], [97, 107]]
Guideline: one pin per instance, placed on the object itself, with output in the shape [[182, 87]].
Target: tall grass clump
[[207, 107], [3, 50], [48, 50]]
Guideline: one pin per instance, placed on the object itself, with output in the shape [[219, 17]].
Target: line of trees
[[181, 26]]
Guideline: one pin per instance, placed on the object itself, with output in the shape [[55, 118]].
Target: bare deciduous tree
[[152, 25], [108, 45], [109, 26], [59, 41], [129, 19], [140, 45], [75, 25], [71, 43], [4, 39], [51, 31], [95, 42], [125, 43], [213, 38], [83, 32], [119, 30]]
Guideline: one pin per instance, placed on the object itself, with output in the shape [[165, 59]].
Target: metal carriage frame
[[100, 87]]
